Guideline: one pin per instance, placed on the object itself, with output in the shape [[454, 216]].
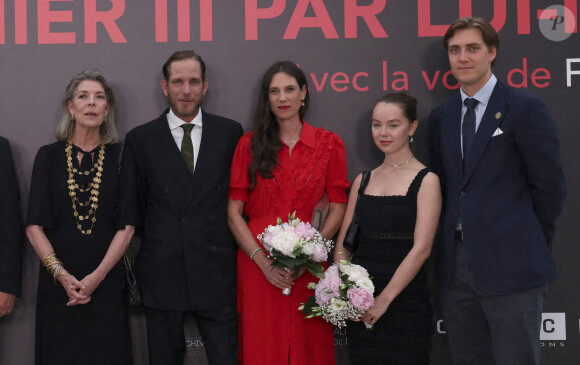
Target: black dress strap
[[416, 183]]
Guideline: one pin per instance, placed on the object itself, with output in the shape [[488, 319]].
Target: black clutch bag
[[351, 239]]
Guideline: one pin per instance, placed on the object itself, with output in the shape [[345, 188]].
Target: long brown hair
[[266, 140]]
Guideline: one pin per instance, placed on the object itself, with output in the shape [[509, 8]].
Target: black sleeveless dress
[[403, 334]]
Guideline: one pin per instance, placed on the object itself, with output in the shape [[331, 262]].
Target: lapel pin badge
[[497, 115]]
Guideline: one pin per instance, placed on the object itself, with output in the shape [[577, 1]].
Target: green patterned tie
[[187, 146]]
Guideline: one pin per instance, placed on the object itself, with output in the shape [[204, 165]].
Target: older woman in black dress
[[79, 228]]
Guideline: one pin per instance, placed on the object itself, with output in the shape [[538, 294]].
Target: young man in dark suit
[[11, 233], [496, 151], [187, 261]]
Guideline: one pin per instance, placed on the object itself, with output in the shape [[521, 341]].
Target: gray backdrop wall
[[352, 51]]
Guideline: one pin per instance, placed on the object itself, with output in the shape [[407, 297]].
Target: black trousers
[[218, 328]]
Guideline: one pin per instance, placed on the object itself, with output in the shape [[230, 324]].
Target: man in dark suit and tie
[[496, 151], [187, 261], [10, 232]]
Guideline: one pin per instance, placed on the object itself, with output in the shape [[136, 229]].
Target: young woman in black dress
[[398, 214]]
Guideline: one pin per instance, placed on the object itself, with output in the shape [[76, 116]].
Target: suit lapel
[[168, 153], [204, 165], [492, 118], [451, 135]]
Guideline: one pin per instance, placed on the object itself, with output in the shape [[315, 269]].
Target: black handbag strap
[[366, 175]]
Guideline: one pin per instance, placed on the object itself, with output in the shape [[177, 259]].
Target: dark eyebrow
[[387, 121], [467, 45], [86, 91]]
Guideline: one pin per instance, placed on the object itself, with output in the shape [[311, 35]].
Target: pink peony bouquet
[[345, 292], [295, 243]]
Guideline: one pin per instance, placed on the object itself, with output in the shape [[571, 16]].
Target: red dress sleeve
[[239, 179], [336, 181]]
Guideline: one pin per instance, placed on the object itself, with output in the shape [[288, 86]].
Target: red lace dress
[[272, 329]]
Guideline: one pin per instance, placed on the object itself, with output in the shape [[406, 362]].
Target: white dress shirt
[[177, 132]]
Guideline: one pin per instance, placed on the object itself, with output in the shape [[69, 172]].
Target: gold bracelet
[[58, 272], [54, 266], [50, 262], [49, 256]]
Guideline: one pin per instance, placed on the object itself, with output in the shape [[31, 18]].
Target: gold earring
[[72, 117]]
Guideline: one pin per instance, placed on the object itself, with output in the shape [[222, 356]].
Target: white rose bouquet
[[295, 243]]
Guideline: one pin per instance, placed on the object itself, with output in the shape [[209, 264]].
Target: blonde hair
[[66, 125]]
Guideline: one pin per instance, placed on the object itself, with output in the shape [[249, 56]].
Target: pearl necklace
[[290, 143], [93, 200], [401, 164]]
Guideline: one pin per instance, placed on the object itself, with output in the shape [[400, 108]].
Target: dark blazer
[[509, 196], [11, 234], [187, 259]]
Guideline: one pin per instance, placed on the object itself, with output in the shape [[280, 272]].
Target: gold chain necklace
[[401, 164], [93, 200]]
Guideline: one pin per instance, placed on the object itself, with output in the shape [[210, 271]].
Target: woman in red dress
[[285, 165]]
